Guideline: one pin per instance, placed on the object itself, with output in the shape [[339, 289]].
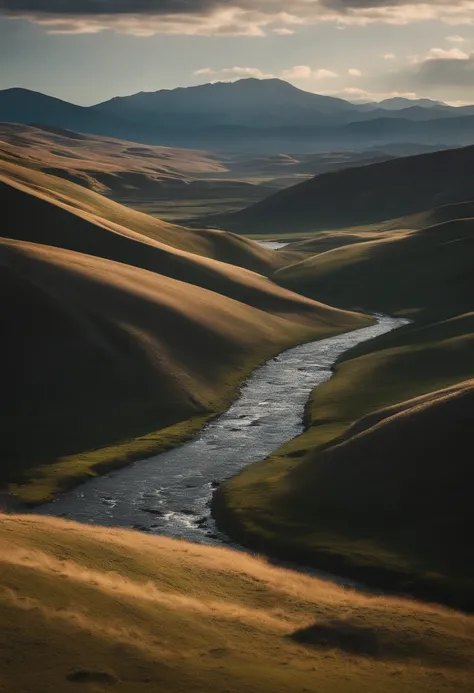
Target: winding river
[[169, 493]]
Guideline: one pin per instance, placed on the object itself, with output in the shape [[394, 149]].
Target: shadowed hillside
[[430, 269], [97, 351], [376, 486], [362, 195], [115, 608], [388, 502]]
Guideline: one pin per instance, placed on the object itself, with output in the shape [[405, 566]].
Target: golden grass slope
[[113, 610], [103, 163], [23, 214]]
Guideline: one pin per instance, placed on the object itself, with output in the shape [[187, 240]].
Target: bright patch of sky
[[357, 49]]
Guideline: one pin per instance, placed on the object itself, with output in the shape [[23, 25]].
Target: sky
[[87, 51]]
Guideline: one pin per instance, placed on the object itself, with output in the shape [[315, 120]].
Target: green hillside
[[376, 486]]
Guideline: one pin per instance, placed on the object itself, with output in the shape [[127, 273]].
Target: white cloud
[[440, 54], [297, 72], [324, 74], [354, 72], [234, 72], [389, 56], [440, 73], [283, 31], [455, 39], [355, 94], [305, 72], [205, 71]]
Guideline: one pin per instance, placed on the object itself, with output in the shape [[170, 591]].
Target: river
[[169, 494]]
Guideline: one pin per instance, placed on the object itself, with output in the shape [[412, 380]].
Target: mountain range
[[269, 114]]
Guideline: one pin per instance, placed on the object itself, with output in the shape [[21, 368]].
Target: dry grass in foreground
[[117, 610]]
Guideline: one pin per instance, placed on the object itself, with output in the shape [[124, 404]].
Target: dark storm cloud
[[230, 17], [450, 73], [157, 7], [103, 7]]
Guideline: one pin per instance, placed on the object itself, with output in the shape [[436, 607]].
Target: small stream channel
[[169, 494]]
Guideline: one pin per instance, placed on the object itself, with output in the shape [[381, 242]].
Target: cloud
[[293, 73], [445, 71], [440, 54], [234, 72], [305, 72], [354, 72], [389, 56], [455, 39], [439, 72], [297, 72], [324, 74], [228, 17], [283, 31], [205, 71], [362, 95]]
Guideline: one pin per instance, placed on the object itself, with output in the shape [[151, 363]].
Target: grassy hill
[[100, 315], [361, 195], [165, 181], [61, 229], [375, 487], [100, 609], [425, 270], [322, 241]]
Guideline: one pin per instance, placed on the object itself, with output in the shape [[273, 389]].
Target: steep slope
[[99, 352], [125, 612], [361, 195], [27, 194]]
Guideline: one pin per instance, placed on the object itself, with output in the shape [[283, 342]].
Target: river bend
[[169, 493]]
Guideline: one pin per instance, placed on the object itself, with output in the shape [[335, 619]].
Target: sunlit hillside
[[111, 610]]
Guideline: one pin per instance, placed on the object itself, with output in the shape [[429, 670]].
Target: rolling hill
[[376, 486], [370, 194], [126, 612], [28, 193], [427, 270], [165, 180], [99, 316]]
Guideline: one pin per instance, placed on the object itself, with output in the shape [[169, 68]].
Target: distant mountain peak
[[396, 103]]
